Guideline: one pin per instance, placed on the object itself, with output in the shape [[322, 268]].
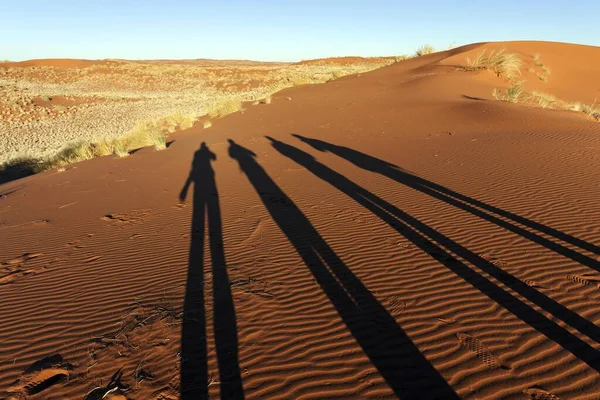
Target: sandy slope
[[408, 241]]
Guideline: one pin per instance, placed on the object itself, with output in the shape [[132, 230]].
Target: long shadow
[[391, 351], [465, 203], [194, 371], [426, 238]]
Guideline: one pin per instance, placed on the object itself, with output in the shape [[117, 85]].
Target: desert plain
[[421, 227]]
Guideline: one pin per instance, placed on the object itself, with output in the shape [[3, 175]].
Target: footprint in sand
[[538, 393], [585, 279], [76, 244], [495, 261], [475, 345], [40, 376], [129, 218], [13, 269], [91, 259], [396, 305], [448, 321], [22, 259]]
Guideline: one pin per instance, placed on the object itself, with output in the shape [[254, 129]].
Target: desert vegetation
[[508, 65], [501, 62], [52, 114], [149, 133], [517, 94], [539, 68], [424, 50]]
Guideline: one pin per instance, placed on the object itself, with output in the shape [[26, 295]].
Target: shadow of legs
[[388, 347], [194, 370], [465, 203], [426, 238]]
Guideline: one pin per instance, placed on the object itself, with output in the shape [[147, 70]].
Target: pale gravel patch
[[128, 99]]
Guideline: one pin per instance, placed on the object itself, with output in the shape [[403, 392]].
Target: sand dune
[[393, 234]]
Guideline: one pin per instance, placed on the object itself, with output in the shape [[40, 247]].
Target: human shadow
[[431, 241], [391, 351], [465, 203], [194, 370]]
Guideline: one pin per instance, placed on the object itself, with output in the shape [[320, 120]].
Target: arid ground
[[45, 104], [420, 231]]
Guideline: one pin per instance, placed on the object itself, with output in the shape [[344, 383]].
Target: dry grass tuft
[[592, 110], [160, 142], [223, 107], [501, 62], [424, 50], [512, 94], [120, 148], [516, 93], [541, 99]]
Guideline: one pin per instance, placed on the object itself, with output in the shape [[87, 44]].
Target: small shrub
[[543, 100], [592, 110], [424, 50], [501, 62], [504, 64], [511, 95], [104, 147], [73, 152], [224, 107], [160, 142], [573, 107], [120, 148], [479, 62]]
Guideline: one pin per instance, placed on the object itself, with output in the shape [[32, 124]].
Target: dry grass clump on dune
[[223, 107], [592, 110], [424, 50], [501, 62], [517, 94], [512, 94]]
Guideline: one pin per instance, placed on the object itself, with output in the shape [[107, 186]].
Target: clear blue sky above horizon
[[282, 30]]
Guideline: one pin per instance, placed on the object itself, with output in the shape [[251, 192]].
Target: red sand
[[414, 240]]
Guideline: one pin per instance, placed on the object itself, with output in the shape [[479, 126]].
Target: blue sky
[[278, 30]]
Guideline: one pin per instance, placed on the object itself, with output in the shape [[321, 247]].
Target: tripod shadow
[[194, 370], [388, 347], [431, 241], [465, 203]]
